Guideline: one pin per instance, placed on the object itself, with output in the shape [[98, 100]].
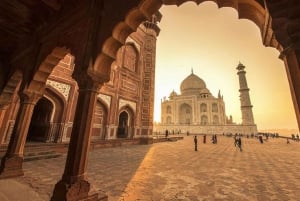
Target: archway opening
[[99, 131], [40, 121], [185, 114], [219, 46], [123, 125]]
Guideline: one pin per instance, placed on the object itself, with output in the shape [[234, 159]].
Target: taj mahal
[[196, 110]]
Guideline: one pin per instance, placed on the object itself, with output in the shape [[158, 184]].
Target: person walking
[[240, 143], [204, 139], [236, 141], [196, 143]]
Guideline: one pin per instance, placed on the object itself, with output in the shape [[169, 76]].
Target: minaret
[[151, 31], [246, 107]]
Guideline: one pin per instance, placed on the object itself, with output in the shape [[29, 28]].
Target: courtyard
[[173, 171]]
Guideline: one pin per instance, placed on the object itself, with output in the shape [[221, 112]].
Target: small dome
[[205, 91], [192, 85], [173, 93]]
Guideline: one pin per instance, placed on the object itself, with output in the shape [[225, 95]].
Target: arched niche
[[125, 123]]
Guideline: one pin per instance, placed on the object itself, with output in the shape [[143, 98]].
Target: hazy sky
[[212, 41]]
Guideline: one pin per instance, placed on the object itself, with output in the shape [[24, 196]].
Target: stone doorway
[[126, 124], [123, 125], [40, 121]]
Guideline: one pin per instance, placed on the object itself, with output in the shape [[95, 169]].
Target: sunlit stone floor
[[173, 171]]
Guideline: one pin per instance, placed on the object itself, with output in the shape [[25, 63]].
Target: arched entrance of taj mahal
[[83, 41]]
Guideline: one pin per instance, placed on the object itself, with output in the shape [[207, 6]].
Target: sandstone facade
[[36, 35]]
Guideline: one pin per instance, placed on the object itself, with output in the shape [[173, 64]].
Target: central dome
[[192, 85]]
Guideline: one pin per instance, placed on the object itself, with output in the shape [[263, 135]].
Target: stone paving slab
[[12, 190], [173, 171]]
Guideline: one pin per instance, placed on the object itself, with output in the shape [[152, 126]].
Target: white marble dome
[[192, 85]]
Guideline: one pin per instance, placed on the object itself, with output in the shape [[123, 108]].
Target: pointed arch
[[10, 88], [126, 119], [100, 120], [251, 10], [38, 81], [130, 57], [47, 120], [185, 114]]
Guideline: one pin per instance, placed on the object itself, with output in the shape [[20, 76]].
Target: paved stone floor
[[172, 171]]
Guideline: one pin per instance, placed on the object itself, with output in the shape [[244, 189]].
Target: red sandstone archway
[[100, 120], [278, 30], [8, 105], [40, 121], [47, 117], [137, 12], [125, 123], [251, 10]]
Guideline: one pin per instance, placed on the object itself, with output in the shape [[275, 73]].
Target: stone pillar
[[74, 185], [3, 122], [291, 62], [151, 30], [11, 163], [285, 27]]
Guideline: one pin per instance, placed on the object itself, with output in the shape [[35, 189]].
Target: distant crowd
[[261, 136]]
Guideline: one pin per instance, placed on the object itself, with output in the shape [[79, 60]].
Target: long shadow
[[109, 170]]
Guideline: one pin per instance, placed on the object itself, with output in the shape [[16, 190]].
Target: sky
[[212, 42]]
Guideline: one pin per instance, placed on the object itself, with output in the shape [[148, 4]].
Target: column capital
[[286, 51], [89, 83], [4, 105], [30, 97]]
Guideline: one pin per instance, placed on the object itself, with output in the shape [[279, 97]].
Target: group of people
[[295, 137], [213, 139], [237, 141]]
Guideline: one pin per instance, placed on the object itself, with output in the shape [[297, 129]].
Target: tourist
[[196, 142], [293, 137], [213, 139], [261, 139], [235, 141], [204, 139], [239, 141], [167, 133]]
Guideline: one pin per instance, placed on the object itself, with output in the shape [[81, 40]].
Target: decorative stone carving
[[130, 40], [64, 89], [129, 85], [123, 103], [130, 59], [106, 99]]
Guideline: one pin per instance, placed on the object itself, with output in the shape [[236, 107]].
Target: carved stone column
[[11, 163], [74, 185], [3, 121], [292, 66], [285, 25]]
